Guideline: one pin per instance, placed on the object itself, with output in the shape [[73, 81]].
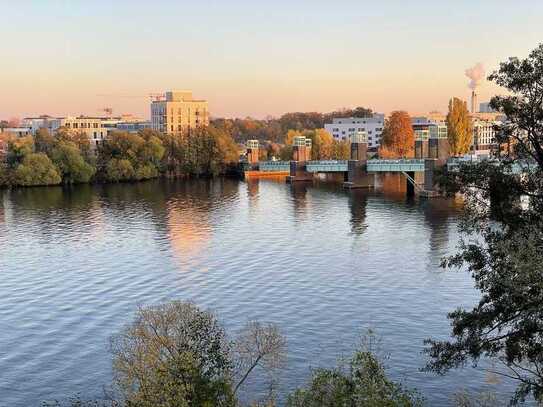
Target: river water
[[323, 263]]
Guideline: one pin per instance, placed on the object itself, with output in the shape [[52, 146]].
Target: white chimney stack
[[473, 101]]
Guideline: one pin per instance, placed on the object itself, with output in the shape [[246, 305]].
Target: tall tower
[[473, 101]]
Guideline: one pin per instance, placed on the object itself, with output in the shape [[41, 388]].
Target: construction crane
[[107, 110], [152, 96]]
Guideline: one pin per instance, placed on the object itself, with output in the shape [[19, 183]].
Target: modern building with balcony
[[343, 128], [177, 112]]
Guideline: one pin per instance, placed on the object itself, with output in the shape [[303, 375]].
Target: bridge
[[406, 165], [358, 172]]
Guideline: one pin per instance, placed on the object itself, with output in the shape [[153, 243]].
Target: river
[[323, 263]]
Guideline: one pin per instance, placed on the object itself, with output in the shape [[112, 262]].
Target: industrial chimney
[[476, 75], [473, 101]]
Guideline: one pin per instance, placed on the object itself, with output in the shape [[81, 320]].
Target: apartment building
[[483, 136], [91, 126], [42, 122], [344, 128], [96, 128], [178, 112]]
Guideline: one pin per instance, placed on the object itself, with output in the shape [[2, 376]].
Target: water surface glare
[[323, 263]]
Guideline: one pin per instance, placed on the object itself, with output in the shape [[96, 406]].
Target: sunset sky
[[254, 58]]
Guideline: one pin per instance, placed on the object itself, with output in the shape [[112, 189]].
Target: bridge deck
[[407, 165], [274, 166], [327, 166], [404, 165]]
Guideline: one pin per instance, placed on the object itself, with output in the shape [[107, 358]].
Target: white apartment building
[[344, 128], [483, 136], [42, 122], [178, 112]]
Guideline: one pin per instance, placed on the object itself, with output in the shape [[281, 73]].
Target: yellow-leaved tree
[[459, 129]]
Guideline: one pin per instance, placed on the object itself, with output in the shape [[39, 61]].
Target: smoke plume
[[476, 74]]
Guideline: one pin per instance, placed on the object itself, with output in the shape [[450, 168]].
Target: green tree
[[36, 169], [503, 244], [364, 384], [43, 141], [120, 170], [459, 129], [173, 355], [176, 354], [125, 156], [18, 149], [70, 163]]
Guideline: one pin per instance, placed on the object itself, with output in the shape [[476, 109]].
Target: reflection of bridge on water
[[358, 172]]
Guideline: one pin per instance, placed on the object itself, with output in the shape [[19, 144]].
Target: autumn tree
[[398, 138], [459, 129]]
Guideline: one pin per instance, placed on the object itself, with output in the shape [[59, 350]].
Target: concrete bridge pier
[[357, 175], [301, 153], [298, 172], [430, 189]]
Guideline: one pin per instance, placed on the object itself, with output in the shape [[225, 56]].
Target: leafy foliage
[[36, 169], [176, 354], [173, 354], [459, 129], [503, 243], [398, 138], [70, 163], [275, 129], [323, 145], [363, 384]]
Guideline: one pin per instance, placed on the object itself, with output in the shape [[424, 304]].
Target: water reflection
[[358, 202], [299, 199], [320, 261]]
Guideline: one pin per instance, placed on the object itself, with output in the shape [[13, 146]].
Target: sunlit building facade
[[178, 112], [343, 128], [484, 137]]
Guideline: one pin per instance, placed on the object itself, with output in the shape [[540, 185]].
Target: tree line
[[66, 157], [274, 129]]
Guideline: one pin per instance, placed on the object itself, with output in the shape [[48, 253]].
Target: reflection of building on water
[[358, 201], [437, 214], [298, 190], [252, 189], [189, 231], [391, 184], [3, 204]]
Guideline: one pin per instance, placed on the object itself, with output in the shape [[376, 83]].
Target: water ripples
[[323, 263]]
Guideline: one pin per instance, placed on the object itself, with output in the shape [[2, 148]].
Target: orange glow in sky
[[254, 59]]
